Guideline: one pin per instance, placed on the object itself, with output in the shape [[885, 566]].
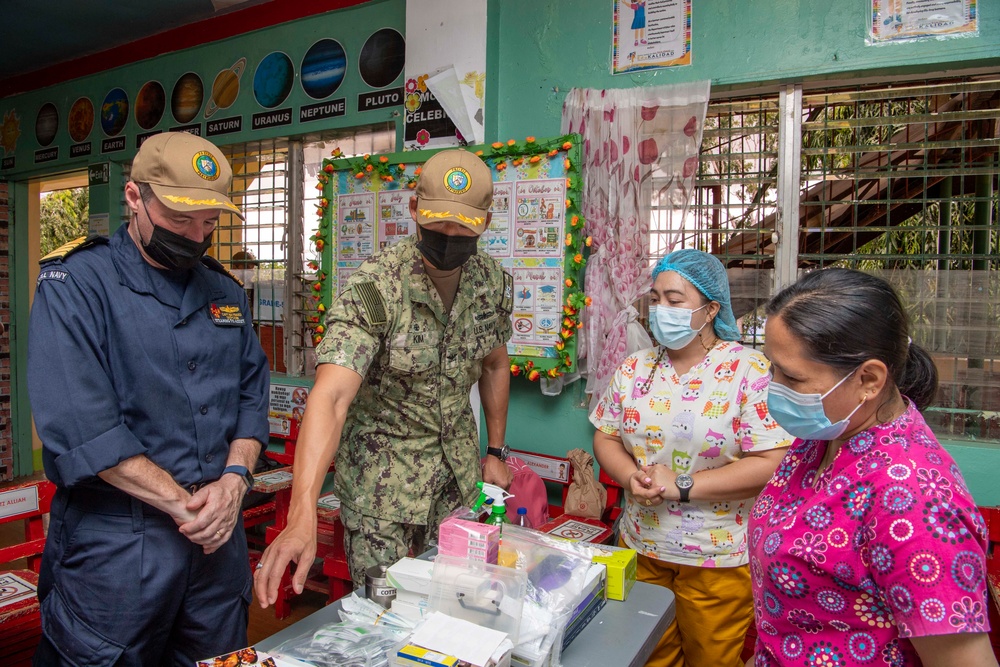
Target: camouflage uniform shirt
[[411, 427]]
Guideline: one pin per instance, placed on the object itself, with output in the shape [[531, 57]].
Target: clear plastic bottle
[[522, 518]]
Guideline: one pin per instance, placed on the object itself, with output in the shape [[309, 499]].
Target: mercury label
[[329, 109], [272, 118], [113, 145], [47, 155], [224, 126]]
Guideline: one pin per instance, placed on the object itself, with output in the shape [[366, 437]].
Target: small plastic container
[[522, 518]]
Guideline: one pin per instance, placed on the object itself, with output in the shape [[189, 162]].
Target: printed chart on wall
[[651, 33], [905, 20], [526, 237], [531, 234]]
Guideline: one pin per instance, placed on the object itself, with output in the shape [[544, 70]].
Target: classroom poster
[[394, 221], [446, 44], [496, 239], [356, 226], [286, 403], [650, 34], [535, 233], [905, 20]]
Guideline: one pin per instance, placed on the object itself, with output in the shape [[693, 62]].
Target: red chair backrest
[[27, 502]]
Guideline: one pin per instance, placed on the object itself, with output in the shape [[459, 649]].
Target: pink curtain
[[631, 137]]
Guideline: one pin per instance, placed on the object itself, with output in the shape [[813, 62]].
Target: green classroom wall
[[737, 45], [536, 51]]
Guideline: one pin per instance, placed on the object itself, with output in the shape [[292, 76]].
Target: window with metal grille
[[274, 185], [734, 195], [899, 181], [902, 182]]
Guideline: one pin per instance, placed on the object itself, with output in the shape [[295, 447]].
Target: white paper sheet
[[453, 636]]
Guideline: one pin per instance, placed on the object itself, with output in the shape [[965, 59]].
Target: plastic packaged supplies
[[364, 637], [557, 580]]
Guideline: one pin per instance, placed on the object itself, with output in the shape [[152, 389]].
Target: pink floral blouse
[[886, 544]]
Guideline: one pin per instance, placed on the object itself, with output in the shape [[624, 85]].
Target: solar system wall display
[[536, 234], [222, 94]]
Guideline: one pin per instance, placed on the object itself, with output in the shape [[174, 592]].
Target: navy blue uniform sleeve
[[255, 385], [73, 401]]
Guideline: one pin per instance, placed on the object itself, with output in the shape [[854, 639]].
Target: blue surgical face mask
[[802, 415], [672, 326]]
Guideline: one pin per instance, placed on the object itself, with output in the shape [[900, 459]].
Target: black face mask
[[173, 251], [446, 252]]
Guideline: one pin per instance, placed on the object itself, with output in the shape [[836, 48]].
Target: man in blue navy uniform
[[150, 394]]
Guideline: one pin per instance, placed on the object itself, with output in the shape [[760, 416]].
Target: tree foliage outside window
[[64, 217]]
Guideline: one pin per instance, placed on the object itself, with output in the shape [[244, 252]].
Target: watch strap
[[684, 489], [685, 493], [242, 472], [499, 452]]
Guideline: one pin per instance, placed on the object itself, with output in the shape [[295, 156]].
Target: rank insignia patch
[[226, 315]]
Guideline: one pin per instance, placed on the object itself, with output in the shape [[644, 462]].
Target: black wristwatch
[[242, 472], [502, 453], [684, 483]]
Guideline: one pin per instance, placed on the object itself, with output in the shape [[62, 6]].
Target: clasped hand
[[649, 484], [216, 508]]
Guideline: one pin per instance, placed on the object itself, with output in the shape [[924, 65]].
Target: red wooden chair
[[992, 517], [20, 618]]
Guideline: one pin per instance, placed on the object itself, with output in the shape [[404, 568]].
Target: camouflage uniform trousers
[[371, 541]]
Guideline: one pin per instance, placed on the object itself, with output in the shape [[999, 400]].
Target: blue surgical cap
[[707, 273]]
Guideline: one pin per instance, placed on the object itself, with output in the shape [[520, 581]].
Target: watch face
[[684, 481]]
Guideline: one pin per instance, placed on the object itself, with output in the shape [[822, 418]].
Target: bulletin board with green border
[[536, 234]]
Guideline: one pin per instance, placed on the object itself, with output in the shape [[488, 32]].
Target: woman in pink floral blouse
[[866, 547]]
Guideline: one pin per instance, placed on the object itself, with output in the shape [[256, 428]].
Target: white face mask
[[803, 415], [672, 326]]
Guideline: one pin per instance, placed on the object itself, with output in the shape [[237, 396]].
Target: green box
[[620, 564]]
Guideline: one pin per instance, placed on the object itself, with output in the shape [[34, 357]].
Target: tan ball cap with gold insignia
[[455, 185], [185, 172]]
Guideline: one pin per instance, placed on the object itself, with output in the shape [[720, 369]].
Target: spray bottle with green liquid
[[493, 496]]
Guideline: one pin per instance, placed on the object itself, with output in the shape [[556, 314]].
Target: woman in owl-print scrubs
[[866, 547], [684, 428]]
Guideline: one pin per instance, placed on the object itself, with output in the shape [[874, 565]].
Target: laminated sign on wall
[[536, 234]]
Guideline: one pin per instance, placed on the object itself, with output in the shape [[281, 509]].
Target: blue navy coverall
[[123, 361]]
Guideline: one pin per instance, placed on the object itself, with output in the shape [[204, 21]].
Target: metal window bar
[[735, 190], [898, 181], [274, 185], [255, 249], [902, 182]]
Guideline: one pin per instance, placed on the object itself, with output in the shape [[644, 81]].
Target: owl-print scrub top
[[704, 419], [885, 544]]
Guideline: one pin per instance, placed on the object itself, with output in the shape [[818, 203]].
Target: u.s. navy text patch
[[52, 274]]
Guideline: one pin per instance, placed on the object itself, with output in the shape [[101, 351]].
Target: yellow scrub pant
[[714, 608]]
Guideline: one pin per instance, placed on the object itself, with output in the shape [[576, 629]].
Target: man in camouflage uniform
[[416, 327]]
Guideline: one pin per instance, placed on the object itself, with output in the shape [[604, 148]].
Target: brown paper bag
[[586, 496]]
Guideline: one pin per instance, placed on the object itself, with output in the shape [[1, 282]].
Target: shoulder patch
[[372, 301], [216, 265], [67, 249], [507, 294]]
